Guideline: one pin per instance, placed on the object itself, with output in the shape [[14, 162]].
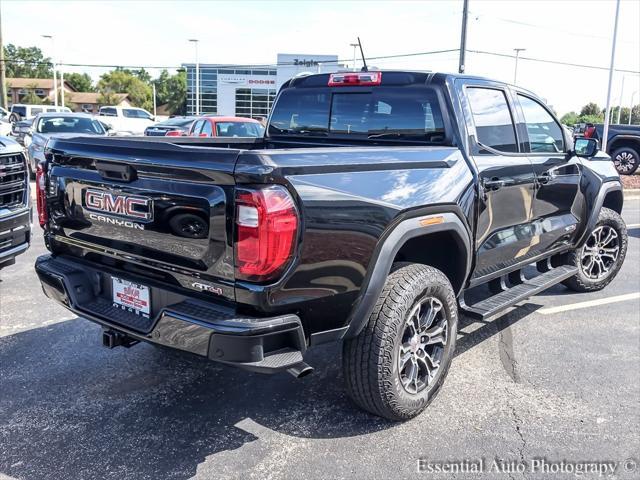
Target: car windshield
[[70, 125], [135, 113], [239, 129], [380, 113]]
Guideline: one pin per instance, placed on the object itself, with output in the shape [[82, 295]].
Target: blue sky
[[156, 33]]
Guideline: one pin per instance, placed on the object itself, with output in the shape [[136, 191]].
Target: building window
[[254, 102]]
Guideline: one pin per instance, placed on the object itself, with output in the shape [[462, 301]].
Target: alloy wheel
[[624, 162], [600, 253], [424, 339]]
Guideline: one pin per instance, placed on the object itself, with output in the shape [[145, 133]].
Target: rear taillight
[[357, 79], [173, 133], [266, 232], [41, 195]]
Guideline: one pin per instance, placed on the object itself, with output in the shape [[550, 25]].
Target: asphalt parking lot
[[556, 379]]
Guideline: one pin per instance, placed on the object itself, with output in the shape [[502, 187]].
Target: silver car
[[59, 124]]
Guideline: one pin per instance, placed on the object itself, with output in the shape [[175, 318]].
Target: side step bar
[[503, 300]]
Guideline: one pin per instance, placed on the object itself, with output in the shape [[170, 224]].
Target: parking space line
[[589, 303], [633, 225]]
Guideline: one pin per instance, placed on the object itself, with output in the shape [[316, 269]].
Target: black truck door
[[505, 233], [558, 205]]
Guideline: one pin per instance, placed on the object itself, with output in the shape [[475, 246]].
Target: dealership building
[[249, 91]]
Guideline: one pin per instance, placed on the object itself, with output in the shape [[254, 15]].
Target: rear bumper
[[178, 321], [15, 236]]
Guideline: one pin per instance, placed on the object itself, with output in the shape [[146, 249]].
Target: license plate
[[131, 297]]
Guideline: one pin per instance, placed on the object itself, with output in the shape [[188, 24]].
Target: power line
[[555, 62], [273, 65]]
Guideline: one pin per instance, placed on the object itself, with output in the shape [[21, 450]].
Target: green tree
[[590, 119], [122, 81], [107, 98], [172, 91], [590, 109], [570, 118], [26, 62], [80, 81], [30, 97]]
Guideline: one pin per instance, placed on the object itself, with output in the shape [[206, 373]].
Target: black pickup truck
[[623, 144], [15, 205], [377, 206]]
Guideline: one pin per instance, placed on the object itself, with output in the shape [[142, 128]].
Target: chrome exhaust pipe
[[300, 370]]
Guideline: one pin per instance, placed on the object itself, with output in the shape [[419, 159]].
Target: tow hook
[[300, 370], [113, 339]]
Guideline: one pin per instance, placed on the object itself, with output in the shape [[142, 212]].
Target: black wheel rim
[[600, 253], [424, 338]]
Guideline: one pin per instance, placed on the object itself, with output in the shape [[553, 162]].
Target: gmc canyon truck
[[377, 207], [15, 205]]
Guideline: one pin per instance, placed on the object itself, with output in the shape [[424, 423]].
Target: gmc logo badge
[[140, 208]]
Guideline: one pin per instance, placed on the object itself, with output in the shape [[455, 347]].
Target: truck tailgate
[[156, 204]]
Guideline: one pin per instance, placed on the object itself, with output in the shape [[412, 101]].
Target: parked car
[[15, 206], [623, 145], [126, 120], [20, 131], [52, 125], [173, 127], [21, 111], [218, 126], [376, 207]]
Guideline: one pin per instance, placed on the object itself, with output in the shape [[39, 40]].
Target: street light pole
[[607, 112], [55, 75], [354, 45], [195, 42], [633, 97], [515, 70]]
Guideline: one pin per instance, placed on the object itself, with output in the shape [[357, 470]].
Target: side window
[[108, 112], [545, 135], [206, 128], [492, 118], [196, 127]]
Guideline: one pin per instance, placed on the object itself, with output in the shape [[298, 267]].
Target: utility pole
[[195, 42], [463, 36], [55, 75], [607, 112], [153, 86], [633, 97], [3, 71], [515, 70], [620, 102]]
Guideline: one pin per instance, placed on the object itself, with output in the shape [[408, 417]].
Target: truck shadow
[[71, 409]]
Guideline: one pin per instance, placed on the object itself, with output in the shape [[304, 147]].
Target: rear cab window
[[409, 112]]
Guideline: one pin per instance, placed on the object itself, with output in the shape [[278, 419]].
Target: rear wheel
[[601, 256], [626, 160], [397, 364]]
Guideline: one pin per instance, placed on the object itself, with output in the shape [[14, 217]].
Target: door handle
[[546, 177], [493, 184]]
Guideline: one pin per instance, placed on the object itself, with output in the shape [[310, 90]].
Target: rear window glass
[[392, 113], [70, 125], [238, 129]]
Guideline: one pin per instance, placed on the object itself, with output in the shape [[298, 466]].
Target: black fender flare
[[605, 189], [388, 247]]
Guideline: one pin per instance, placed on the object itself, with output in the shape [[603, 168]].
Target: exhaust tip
[[300, 370]]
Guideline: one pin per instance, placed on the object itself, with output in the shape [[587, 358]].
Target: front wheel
[[397, 364], [626, 160], [600, 258]]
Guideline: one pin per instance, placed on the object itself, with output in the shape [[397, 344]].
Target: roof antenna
[[364, 61]]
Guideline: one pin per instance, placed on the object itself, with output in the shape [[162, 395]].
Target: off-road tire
[[371, 359], [631, 158], [581, 282]]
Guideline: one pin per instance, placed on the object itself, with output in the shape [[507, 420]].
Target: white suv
[[20, 111]]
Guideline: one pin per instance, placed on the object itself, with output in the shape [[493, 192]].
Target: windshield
[[402, 113], [135, 113], [239, 129], [70, 125]]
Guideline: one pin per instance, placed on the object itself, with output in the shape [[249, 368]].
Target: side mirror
[[586, 147]]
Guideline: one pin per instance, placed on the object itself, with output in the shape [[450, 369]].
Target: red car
[[215, 126]]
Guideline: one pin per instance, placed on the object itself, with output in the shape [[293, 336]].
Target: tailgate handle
[[116, 171]]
